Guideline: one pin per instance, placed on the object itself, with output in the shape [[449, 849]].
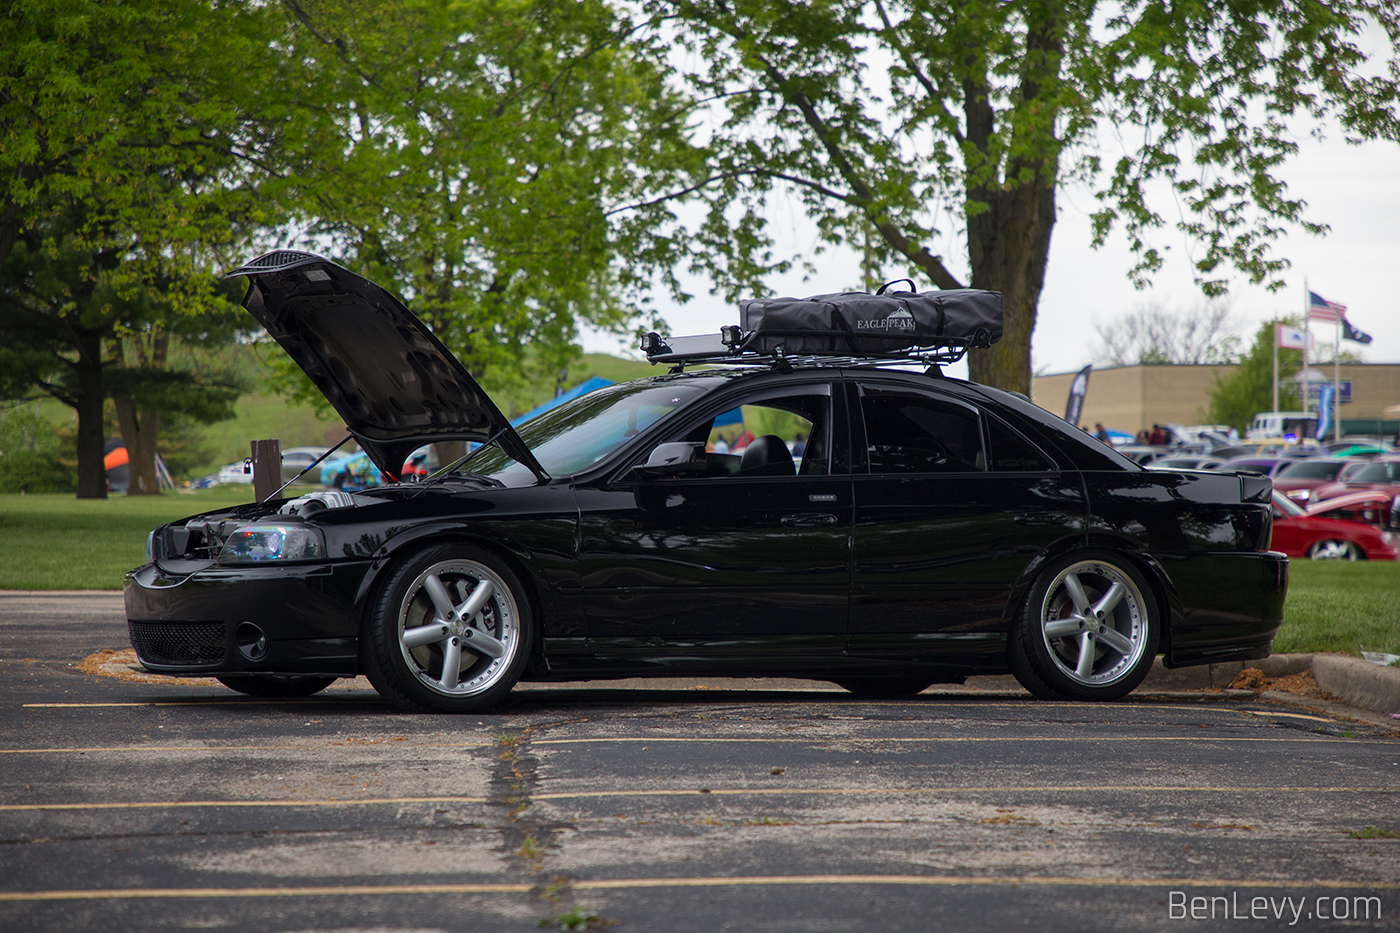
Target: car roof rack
[[731, 347]]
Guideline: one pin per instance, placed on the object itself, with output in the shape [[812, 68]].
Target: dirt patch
[[1302, 684], [122, 665]]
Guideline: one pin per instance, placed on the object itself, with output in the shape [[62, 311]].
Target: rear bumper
[[1230, 606]]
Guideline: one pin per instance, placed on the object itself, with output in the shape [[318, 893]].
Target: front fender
[[477, 534]]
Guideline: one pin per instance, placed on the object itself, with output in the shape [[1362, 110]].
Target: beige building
[[1133, 398]]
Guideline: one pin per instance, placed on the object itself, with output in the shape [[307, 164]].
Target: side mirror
[[677, 458]]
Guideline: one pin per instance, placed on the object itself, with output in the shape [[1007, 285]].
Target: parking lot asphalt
[[687, 805]]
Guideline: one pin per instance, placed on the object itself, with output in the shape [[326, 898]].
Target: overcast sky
[[1353, 189]]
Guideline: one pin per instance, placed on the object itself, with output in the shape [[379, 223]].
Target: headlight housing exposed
[[266, 541]]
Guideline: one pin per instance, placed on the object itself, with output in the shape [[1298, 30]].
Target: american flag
[[1320, 309]]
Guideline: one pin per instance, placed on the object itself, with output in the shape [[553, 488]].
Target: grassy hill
[[263, 414]]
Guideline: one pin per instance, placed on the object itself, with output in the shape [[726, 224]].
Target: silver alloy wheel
[[1094, 621], [458, 627], [1333, 550]]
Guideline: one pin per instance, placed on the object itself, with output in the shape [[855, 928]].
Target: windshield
[[585, 431], [1312, 469], [1286, 505], [1374, 473]]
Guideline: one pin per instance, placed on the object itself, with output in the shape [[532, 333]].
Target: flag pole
[[1307, 338], [1337, 385], [1276, 339]]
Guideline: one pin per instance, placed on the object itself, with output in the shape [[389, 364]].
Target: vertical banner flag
[[1291, 338], [1077, 390], [1320, 309], [1324, 411]]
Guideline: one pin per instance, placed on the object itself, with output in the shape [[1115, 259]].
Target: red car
[[1382, 475], [1300, 479], [1298, 534], [1370, 507]]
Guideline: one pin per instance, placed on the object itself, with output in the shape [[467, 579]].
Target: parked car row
[[1327, 506]]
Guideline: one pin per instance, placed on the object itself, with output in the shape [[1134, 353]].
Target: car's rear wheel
[[885, 686], [450, 631], [1088, 631], [275, 685], [1335, 550]]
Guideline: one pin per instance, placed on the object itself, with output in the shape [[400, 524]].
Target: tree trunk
[[139, 431], [140, 424], [1008, 234], [1008, 245], [92, 475]]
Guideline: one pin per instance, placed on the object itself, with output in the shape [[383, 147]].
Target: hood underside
[[381, 368]]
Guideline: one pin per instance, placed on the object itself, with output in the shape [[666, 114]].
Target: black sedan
[[926, 529]]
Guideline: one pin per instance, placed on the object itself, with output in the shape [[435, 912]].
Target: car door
[[951, 505], [750, 558]]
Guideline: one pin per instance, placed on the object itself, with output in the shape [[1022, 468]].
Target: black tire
[[1335, 550], [275, 685], [1047, 645], [885, 686], [488, 625]]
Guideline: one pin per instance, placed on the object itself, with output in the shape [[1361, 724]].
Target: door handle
[[808, 519], [1041, 518]]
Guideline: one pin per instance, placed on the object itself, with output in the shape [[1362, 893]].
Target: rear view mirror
[[677, 458]]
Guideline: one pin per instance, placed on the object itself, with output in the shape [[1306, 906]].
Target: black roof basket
[[731, 346], [934, 327]]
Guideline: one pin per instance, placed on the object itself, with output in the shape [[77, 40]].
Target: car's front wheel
[[1334, 550], [1088, 631], [275, 685], [449, 632]]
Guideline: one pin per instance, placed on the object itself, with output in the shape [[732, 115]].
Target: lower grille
[[178, 642]]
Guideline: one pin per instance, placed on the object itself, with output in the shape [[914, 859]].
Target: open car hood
[[394, 383]]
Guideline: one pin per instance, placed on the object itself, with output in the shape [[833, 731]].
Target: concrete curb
[[1360, 683]]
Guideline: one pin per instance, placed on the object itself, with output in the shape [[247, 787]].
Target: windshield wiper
[[454, 471]]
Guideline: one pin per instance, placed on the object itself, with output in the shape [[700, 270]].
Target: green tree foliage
[[927, 118], [142, 111], [126, 135], [498, 162], [1249, 390], [82, 319], [32, 452]]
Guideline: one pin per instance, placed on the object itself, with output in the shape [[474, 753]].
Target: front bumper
[[292, 619]]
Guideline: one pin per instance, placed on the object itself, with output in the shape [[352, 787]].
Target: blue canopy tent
[[583, 388]]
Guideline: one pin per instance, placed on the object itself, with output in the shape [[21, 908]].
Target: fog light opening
[[252, 643]]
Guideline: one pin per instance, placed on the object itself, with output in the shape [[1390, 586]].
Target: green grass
[[1341, 606], [60, 542]]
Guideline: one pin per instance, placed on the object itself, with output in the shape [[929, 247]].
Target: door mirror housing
[[676, 458]]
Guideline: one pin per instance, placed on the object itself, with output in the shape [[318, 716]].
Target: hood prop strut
[[309, 467]]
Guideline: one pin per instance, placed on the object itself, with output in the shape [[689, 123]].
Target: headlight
[[260, 542], [1302, 495]]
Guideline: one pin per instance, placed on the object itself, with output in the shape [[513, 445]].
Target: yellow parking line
[[941, 739], [232, 701], [197, 804], [621, 884], [694, 740], [305, 746], [712, 792]]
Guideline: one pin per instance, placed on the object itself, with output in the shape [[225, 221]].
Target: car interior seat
[[767, 456]]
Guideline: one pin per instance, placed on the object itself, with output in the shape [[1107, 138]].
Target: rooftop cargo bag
[[862, 324]]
